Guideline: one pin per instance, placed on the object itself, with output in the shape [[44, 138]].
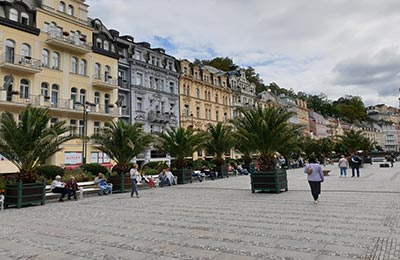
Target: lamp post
[[85, 111]]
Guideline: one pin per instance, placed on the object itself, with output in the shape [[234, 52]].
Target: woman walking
[[315, 177], [134, 174]]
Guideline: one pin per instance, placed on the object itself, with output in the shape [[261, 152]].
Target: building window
[[197, 93], [139, 79], [217, 115], [46, 27], [99, 43], [198, 112], [70, 10], [106, 45], [81, 128], [107, 75], [10, 51], [72, 127], [82, 67], [225, 117], [74, 65], [61, 7], [186, 110], [56, 60], [216, 98], [13, 15], [24, 18], [97, 70], [45, 58], [74, 94], [139, 104], [172, 87], [53, 121], [54, 95], [96, 127], [106, 102], [44, 90], [82, 96], [96, 97], [24, 88], [25, 50]]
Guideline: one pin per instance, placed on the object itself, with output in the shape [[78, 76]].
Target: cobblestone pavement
[[357, 218]]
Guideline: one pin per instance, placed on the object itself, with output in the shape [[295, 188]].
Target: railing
[[161, 117], [71, 39], [20, 60], [105, 79]]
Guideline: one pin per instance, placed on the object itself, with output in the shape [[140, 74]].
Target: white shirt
[[57, 183]]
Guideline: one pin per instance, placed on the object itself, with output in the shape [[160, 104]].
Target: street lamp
[[85, 109]]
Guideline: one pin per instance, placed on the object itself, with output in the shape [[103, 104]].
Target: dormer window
[[106, 45], [13, 15], [61, 7], [99, 43], [24, 18]]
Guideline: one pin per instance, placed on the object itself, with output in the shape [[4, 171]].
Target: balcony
[[20, 63], [158, 117], [104, 82], [68, 42]]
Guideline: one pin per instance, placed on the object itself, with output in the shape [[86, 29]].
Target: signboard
[[72, 158]]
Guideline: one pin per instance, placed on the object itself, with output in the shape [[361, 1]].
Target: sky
[[334, 47]]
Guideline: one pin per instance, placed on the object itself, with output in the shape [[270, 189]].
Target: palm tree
[[31, 141], [180, 143], [122, 142], [265, 132], [355, 140], [219, 142]]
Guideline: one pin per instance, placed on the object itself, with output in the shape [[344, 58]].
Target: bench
[[86, 186]]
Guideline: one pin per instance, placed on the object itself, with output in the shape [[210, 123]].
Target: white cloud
[[304, 45]]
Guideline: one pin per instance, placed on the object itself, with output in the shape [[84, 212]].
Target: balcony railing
[[67, 41], [158, 117], [102, 81], [20, 63]]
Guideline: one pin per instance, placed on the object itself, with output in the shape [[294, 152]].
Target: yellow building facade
[[47, 59], [204, 96]]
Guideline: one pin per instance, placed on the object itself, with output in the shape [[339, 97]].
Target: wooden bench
[[86, 186]]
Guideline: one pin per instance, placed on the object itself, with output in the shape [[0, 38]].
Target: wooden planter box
[[222, 171], [273, 181], [184, 175], [121, 183], [24, 194]]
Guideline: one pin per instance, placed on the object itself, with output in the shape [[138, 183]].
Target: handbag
[[309, 171]]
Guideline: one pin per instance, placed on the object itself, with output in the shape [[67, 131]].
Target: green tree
[[219, 142], [31, 141], [351, 108], [180, 143], [353, 141], [265, 132], [122, 142]]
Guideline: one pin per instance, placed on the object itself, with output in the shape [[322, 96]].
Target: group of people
[[70, 188], [354, 162]]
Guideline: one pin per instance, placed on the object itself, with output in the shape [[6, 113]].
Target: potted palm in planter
[[122, 142], [181, 143], [26, 144], [265, 132], [219, 142]]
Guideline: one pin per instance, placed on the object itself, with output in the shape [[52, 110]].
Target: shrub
[[158, 166], [149, 171], [49, 171], [94, 168]]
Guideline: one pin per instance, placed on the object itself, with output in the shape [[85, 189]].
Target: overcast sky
[[335, 47]]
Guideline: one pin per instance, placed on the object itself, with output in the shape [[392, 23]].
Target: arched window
[[56, 60], [97, 70], [45, 58], [216, 98], [10, 51], [106, 45], [61, 7], [209, 96], [106, 102], [96, 97], [24, 88], [13, 15], [99, 43], [74, 93], [25, 50], [54, 95], [74, 65], [44, 89], [8, 84], [197, 93], [70, 10], [24, 18], [107, 75], [82, 96], [82, 67]]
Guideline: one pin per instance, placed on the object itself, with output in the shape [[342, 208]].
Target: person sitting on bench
[[57, 186], [105, 188]]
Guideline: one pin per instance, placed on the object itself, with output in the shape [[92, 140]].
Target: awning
[[107, 165], [71, 166]]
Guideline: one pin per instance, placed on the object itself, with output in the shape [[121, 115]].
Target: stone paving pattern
[[357, 218]]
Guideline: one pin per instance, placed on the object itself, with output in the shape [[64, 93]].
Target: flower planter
[[121, 183], [24, 194], [184, 175], [273, 181], [222, 171]]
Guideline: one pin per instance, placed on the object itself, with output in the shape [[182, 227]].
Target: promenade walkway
[[357, 218]]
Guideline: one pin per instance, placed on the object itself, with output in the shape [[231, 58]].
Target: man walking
[[355, 163]]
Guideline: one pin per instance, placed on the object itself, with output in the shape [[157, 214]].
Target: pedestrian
[[343, 165], [391, 160], [315, 177], [57, 186], [101, 181], [72, 186], [134, 174], [355, 163]]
